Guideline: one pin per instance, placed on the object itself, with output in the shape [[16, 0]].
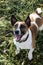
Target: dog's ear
[[28, 21], [13, 20]]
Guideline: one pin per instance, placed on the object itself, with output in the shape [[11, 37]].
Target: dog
[[25, 33]]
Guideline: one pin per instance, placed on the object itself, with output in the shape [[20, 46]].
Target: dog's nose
[[17, 32]]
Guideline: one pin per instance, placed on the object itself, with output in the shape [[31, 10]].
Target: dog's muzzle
[[17, 35]]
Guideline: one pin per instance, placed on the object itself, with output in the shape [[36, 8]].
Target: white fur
[[39, 10], [30, 55], [34, 16], [25, 45], [41, 27]]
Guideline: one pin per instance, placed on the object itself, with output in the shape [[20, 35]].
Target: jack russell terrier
[[25, 32]]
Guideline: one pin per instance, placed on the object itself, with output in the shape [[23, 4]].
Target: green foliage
[[20, 8]]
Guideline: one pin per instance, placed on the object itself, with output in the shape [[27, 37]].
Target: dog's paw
[[30, 56]]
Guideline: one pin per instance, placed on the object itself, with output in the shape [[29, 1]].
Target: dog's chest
[[25, 45]]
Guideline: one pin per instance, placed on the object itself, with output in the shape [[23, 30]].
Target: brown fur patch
[[33, 29], [39, 21]]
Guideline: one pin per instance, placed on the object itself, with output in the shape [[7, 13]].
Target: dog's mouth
[[18, 37]]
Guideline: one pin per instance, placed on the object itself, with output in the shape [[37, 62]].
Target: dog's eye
[[22, 26]]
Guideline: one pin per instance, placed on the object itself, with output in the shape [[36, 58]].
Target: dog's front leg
[[17, 50], [30, 54]]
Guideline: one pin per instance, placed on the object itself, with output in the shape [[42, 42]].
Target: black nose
[[16, 32]]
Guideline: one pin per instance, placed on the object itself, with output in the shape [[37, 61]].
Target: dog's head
[[20, 28]]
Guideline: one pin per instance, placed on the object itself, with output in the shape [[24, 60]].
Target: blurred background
[[21, 9]]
